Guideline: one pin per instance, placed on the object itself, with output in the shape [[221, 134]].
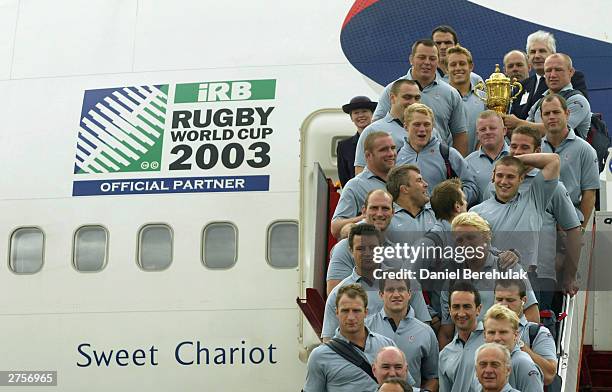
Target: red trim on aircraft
[[359, 6]]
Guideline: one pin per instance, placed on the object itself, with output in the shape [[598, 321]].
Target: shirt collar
[[565, 88], [437, 79], [504, 151], [408, 316], [571, 135]]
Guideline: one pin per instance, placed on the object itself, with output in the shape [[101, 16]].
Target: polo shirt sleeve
[[544, 344], [589, 169], [315, 376], [541, 191], [359, 150], [341, 262], [429, 366], [528, 376], [330, 321], [445, 383], [384, 103], [466, 173], [347, 205], [420, 307], [444, 306], [579, 110], [563, 210], [457, 121]]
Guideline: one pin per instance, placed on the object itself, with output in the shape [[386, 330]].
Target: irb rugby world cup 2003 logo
[[121, 129]]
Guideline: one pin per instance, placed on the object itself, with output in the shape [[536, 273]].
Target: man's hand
[[511, 121], [507, 259], [570, 286]]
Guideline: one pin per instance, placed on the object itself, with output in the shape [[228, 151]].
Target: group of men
[[432, 153]]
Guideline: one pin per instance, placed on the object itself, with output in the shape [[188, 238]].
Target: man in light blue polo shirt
[[412, 216], [425, 150], [471, 231], [437, 94], [460, 65], [445, 37], [380, 158], [404, 93], [456, 362], [363, 239], [415, 338], [377, 211], [501, 326], [327, 370], [516, 217], [558, 72], [560, 212], [579, 169], [493, 367], [491, 131], [512, 293]]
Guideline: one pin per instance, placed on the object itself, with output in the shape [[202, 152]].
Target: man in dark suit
[[360, 109], [540, 45]]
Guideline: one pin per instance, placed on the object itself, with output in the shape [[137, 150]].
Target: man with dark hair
[[512, 293], [445, 37], [456, 363], [360, 109], [363, 239], [404, 93], [327, 369], [380, 158], [444, 100], [412, 215], [415, 338], [559, 213], [514, 216], [579, 166]]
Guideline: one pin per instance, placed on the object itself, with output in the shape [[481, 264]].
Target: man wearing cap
[[360, 109]]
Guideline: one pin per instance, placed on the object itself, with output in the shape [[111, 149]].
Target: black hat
[[359, 102]]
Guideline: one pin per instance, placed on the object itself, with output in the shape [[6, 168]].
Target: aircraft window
[[155, 247], [27, 249], [282, 249], [90, 248], [220, 245]]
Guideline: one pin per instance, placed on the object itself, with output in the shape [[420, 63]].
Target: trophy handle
[[518, 85], [480, 86]]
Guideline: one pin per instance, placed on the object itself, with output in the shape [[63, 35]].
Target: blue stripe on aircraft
[[377, 41]]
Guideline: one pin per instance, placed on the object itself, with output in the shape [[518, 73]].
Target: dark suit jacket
[[346, 158], [522, 111]]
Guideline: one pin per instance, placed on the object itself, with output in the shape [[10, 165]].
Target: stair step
[[600, 360], [601, 377]]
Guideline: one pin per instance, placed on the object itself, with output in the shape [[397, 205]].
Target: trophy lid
[[498, 76]]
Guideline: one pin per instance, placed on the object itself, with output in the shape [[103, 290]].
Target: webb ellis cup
[[498, 91]]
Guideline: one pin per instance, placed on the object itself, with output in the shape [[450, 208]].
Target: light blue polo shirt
[[456, 363], [328, 371], [517, 223], [560, 211], [474, 77], [341, 261], [543, 344], [473, 107], [579, 116], [482, 166], [442, 98], [386, 124], [579, 167], [525, 375], [486, 288], [354, 193], [405, 228], [375, 303], [433, 169], [416, 339]]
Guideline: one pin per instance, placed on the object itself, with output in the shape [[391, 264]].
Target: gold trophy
[[498, 91]]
